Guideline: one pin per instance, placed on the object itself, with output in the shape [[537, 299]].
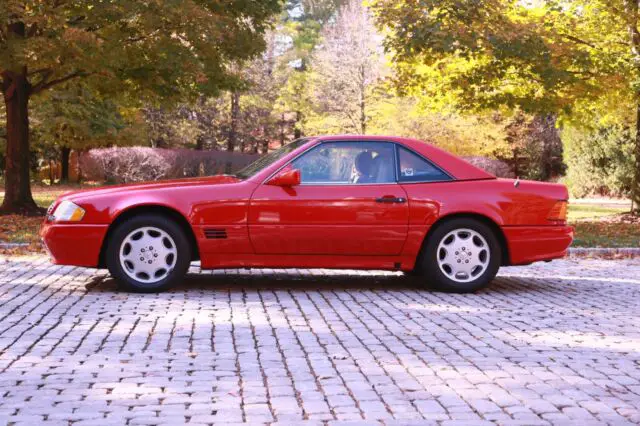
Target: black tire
[[433, 275], [173, 277]]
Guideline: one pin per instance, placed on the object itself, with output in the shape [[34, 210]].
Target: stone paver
[[546, 344]]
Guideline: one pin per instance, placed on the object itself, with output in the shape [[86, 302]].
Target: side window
[[414, 168], [356, 163]]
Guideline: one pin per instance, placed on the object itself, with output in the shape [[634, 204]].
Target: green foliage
[[329, 93], [477, 135], [476, 77], [573, 59], [600, 160], [161, 52], [162, 49], [301, 26], [211, 123], [539, 56], [274, 92], [194, 125], [304, 21], [78, 118]]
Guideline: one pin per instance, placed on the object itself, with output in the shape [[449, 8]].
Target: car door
[[347, 203]]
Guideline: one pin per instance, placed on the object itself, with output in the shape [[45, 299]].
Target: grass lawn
[[598, 223], [45, 195], [604, 224], [606, 234], [581, 211]]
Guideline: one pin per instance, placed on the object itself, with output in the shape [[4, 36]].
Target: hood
[[164, 184]]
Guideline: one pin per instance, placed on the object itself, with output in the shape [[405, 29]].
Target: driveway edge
[[603, 252]]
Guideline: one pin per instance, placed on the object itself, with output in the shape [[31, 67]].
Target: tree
[[77, 118], [536, 148], [462, 134], [197, 125], [302, 24], [347, 64], [572, 58], [262, 106], [161, 49], [243, 119]]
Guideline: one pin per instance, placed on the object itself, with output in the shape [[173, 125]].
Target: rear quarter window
[[414, 168]]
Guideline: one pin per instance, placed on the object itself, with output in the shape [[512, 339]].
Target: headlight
[[67, 212]]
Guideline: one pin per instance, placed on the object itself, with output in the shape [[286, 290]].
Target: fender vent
[[215, 233]]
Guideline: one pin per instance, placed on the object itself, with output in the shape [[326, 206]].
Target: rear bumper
[[73, 244], [535, 243]]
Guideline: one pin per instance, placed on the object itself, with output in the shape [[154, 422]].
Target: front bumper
[[73, 244], [529, 244]]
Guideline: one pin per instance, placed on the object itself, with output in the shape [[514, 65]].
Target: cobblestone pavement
[[550, 343]]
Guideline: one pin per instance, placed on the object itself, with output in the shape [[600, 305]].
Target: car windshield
[[266, 160]]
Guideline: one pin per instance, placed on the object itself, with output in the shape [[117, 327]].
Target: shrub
[[137, 164], [493, 166], [600, 161], [191, 163]]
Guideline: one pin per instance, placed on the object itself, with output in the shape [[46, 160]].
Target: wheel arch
[[151, 209], [502, 240]]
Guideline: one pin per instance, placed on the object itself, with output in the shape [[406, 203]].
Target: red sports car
[[357, 202]]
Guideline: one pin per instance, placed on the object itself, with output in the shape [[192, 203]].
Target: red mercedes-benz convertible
[[357, 202]]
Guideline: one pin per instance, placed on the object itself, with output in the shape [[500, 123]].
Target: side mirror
[[286, 178]]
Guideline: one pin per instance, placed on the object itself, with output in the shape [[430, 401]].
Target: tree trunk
[[64, 161], [631, 9], [17, 198], [78, 155], [51, 175], [235, 112], [282, 123], [297, 132], [363, 115], [635, 191]]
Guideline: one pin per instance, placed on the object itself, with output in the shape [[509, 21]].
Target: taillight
[[559, 212]]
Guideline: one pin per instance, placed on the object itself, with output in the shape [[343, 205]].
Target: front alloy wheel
[[148, 253]]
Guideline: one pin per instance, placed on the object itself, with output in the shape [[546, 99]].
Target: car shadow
[[276, 281], [243, 280]]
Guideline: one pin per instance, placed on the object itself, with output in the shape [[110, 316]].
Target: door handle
[[390, 199]]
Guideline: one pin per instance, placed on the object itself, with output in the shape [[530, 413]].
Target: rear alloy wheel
[[148, 253], [462, 256]]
